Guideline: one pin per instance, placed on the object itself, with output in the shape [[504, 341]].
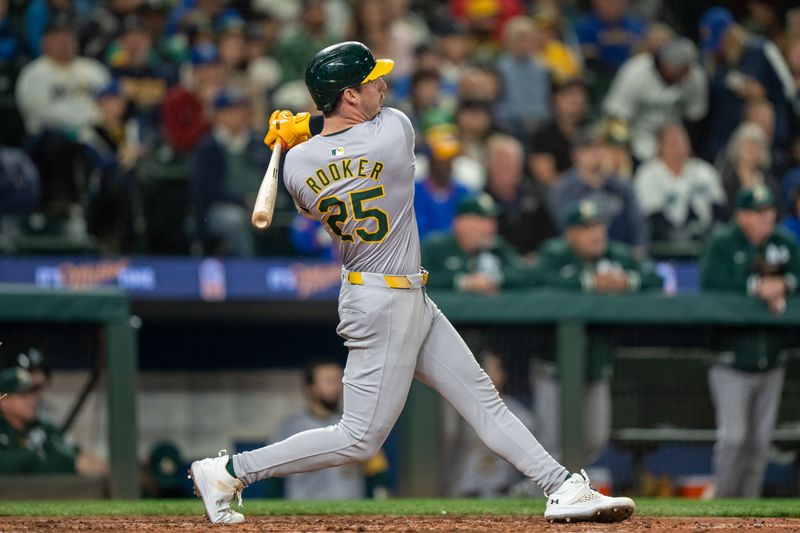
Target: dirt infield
[[391, 523]]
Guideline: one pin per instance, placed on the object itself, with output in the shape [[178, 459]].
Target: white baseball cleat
[[576, 501], [217, 488]]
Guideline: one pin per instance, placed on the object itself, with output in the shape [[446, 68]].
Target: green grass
[[645, 507]]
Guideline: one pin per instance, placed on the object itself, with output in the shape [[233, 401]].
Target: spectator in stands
[[425, 93], [615, 139], [456, 49], [652, 90], [563, 62], [437, 195], [187, 108], [474, 258], [524, 104], [551, 145], [474, 121], [105, 24], [524, 220], [115, 148], [38, 15], [681, 196], [609, 35], [226, 170], [408, 31], [748, 162], [742, 67], [485, 474], [479, 84], [263, 70], [188, 14], [55, 94], [9, 41], [322, 381], [29, 445], [751, 256], [19, 182], [584, 260], [615, 199], [296, 49], [143, 76], [486, 18]]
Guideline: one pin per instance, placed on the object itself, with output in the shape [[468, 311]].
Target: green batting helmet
[[339, 67]]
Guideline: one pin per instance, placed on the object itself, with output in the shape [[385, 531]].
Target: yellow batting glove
[[290, 129]]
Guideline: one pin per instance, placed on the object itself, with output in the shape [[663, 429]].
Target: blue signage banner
[[212, 279]]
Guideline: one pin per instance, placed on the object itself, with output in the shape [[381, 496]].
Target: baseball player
[[357, 177]]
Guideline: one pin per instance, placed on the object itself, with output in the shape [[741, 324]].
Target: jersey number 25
[[335, 213]]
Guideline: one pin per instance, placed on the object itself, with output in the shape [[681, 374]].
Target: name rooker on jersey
[[343, 169]]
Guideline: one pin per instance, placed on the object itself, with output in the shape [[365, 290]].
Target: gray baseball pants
[[746, 406], [394, 336]]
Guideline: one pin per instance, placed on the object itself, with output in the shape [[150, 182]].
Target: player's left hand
[[287, 128]]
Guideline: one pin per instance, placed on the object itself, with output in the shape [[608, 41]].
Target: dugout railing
[[107, 312]]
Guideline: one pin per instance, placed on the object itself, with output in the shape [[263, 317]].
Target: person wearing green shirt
[[749, 256], [474, 258], [584, 260], [29, 445]]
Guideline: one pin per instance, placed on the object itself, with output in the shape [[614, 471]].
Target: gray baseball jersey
[[344, 482], [360, 184]]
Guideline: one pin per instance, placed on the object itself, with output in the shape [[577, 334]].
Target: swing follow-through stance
[[357, 178]]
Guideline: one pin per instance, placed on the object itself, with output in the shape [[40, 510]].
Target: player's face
[[21, 407], [475, 232], [588, 242], [756, 225], [371, 97], [327, 386]]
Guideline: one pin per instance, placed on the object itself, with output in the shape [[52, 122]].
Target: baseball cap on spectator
[[713, 25], [231, 22], [481, 204], [584, 213], [230, 98], [677, 53], [16, 380], [587, 136], [134, 23], [61, 22], [482, 8], [756, 198], [614, 130], [112, 88], [204, 54]]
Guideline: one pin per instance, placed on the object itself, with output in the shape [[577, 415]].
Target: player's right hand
[[287, 128]]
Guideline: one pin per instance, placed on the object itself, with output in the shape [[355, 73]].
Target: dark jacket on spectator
[[726, 107], [213, 181], [615, 199], [525, 222], [19, 182]]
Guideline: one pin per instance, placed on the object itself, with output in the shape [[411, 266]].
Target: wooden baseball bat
[[265, 201]]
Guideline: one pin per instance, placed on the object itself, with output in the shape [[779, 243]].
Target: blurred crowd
[[135, 126]]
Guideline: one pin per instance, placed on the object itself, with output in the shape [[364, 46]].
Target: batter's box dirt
[[393, 523]]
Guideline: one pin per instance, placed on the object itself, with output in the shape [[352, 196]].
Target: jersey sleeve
[[407, 128]]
